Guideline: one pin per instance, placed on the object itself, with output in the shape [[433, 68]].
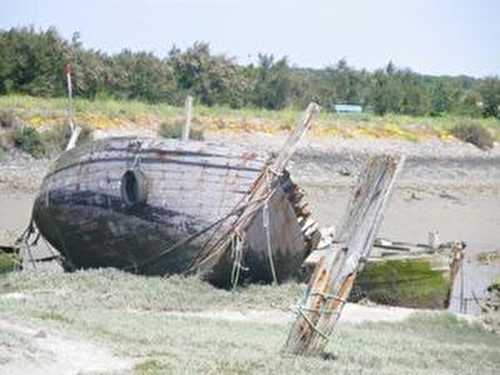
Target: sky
[[437, 37]]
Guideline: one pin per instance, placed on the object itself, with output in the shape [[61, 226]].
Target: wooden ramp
[[334, 274]]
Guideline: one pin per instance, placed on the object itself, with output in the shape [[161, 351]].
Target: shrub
[[29, 140], [475, 133], [173, 129], [57, 137], [7, 120]]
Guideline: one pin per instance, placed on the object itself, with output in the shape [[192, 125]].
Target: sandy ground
[[51, 352], [352, 314]]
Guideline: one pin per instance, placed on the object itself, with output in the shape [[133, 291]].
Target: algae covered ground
[[410, 283], [149, 324]]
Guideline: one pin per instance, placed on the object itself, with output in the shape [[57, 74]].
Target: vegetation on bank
[[33, 62], [15, 133], [45, 113], [131, 314]]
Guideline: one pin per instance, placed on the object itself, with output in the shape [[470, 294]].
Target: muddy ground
[[451, 187]]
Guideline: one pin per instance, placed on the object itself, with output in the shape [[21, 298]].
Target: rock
[[343, 171], [40, 334]]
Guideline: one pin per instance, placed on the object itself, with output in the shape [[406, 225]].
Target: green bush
[[29, 140], [7, 124], [173, 129], [8, 262], [56, 138], [475, 133], [7, 120]]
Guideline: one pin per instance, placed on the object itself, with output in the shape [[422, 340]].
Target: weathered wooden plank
[[334, 275]]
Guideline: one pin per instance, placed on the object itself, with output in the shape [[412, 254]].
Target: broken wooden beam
[[335, 273]]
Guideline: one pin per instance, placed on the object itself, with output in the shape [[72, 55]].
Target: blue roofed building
[[348, 108]]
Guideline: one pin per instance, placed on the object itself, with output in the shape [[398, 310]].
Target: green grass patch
[[29, 140], [54, 316], [113, 289], [8, 262], [149, 367]]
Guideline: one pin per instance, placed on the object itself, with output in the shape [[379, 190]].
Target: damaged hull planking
[[152, 206]]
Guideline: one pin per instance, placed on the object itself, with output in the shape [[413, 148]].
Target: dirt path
[[353, 313], [49, 352]]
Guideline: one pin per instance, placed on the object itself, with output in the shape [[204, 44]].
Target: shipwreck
[[164, 206]]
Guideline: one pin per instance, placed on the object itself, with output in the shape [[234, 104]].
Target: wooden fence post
[[189, 113], [75, 130]]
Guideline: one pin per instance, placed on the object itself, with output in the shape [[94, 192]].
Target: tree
[[441, 98], [209, 78], [386, 93], [489, 89], [273, 83], [347, 83]]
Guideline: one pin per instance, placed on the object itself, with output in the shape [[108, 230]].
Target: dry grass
[[173, 129], [127, 313], [105, 114], [475, 133]]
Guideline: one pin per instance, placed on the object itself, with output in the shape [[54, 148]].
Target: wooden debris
[[335, 273]]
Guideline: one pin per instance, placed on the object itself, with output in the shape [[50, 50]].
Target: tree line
[[32, 62]]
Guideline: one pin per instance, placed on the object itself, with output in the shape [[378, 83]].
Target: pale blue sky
[[435, 37]]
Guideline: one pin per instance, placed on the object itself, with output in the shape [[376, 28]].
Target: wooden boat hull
[[152, 206]]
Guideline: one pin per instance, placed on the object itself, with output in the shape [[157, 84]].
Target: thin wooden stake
[[335, 273], [70, 97], [189, 113], [75, 130]]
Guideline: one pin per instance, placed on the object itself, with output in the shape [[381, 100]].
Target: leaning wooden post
[[263, 189], [75, 130], [457, 260], [335, 273], [189, 113]]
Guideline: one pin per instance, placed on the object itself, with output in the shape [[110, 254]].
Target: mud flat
[[451, 187]]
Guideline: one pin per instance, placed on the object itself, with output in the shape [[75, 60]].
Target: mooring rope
[[265, 218]]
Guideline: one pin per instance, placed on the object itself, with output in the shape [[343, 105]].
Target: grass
[[43, 113], [174, 129], [474, 133], [489, 257], [51, 142], [127, 314], [8, 262], [29, 140]]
